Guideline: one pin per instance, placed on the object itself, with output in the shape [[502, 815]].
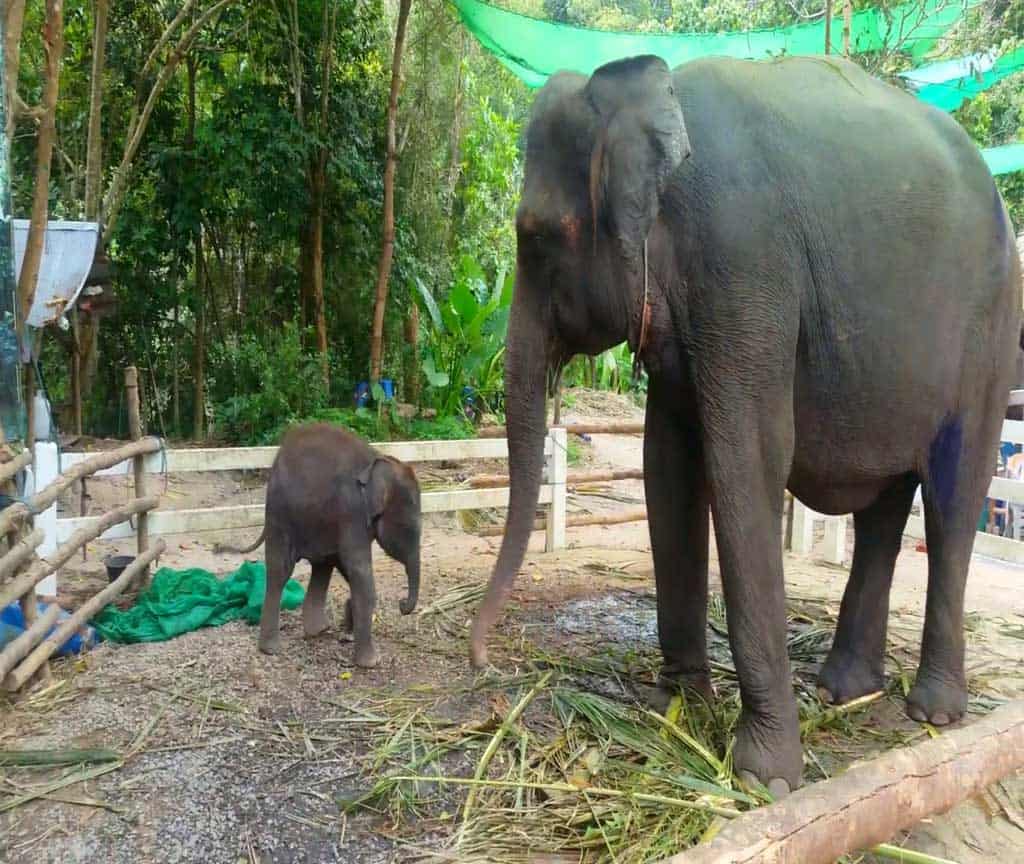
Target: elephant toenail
[[940, 719], [778, 788], [917, 714], [825, 695]]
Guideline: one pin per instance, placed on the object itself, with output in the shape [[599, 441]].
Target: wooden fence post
[[835, 539], [131, 386], [558, 469], [803, 528], [47, 464]]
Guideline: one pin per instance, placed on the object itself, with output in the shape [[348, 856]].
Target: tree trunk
[[94, 146], [828, 26], [847, 24], [14, 21], [316, 250], [199, 343], [53, 45], [175, 374], [412, 364], [388, 243]]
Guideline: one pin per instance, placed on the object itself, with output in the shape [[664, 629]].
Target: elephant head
[[599, 156], [393, 507]]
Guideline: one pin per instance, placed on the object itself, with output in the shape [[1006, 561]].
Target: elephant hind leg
[[856, 663], [314, 607], [280, 558], [960, 470]]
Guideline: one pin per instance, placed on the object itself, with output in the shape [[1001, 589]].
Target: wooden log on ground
[[67, 628], [16, 651], [873, 801], [8, 470], [19, 553], [576, 429], [36, 573], [637, 515], [498, 481]]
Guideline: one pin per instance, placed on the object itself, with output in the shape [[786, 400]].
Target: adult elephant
[[819, 275]]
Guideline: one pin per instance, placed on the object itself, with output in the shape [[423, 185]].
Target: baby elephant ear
[[375, 480]]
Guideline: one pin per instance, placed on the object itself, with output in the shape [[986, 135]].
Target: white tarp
[[68, 252]]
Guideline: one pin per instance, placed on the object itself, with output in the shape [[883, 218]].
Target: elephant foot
[[366, 657], [937, 700], [314, 622], [695, 680], [768, 751], [845, 676], [270, 644], [349, 622]]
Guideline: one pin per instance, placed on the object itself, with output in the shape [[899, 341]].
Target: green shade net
[[179, 601], [1005, 159], [533, 49], [950, 94]]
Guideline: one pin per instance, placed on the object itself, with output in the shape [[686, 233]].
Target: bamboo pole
[[499, 481], [45, 566], [15, 680], [131, 385], [19, 553], [16, 651], [873, 801], [576, 429], [637, 515], [9, 469]]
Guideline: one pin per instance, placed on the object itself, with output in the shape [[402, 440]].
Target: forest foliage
[[270, 124]]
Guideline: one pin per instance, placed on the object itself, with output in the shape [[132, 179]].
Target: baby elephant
[[329, 496]]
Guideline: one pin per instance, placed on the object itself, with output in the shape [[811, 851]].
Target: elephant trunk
[[412, 572], [526, 362]]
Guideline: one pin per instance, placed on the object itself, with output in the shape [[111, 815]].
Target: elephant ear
[[376, 481], [641, 140]]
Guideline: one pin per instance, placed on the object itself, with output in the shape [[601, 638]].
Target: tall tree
[[387, 249]]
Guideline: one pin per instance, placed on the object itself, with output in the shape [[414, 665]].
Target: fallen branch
[[32, 758], [57, 785], [16, 679], [35, 574], [499, 481], [636, 515], [14, 652], [873, 801]]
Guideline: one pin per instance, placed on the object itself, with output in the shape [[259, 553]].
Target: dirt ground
[[233, 756]]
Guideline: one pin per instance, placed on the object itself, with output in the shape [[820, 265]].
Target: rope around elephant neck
[[645, 314]]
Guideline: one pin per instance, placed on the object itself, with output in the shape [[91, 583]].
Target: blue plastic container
[[363, 396], [12, 625]]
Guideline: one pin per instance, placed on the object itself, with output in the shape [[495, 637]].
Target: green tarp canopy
[[179, 601], [534, 49]]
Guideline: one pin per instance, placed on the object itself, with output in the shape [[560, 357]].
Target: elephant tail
[[221, 547]]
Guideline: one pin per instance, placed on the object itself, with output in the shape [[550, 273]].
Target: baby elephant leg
[[359, 570], [314, 608]]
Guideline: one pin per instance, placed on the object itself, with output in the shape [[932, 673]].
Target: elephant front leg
[[359, 570], [749, 455], [677, 511]]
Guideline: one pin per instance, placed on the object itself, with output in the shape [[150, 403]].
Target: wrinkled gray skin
[[835, 308], [330, 495]]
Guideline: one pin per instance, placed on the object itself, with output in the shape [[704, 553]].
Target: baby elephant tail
[[220, 547]]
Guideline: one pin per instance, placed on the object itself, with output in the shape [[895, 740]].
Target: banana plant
[[465, 345]]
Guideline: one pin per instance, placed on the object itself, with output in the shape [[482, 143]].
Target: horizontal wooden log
[[42, 568], [577, 429], [871, 802], [261, 458], [12, 560], [493, 481], [45, 497], [13, 517], [637, 515], [9, 469], [16, 651], [66, 629]]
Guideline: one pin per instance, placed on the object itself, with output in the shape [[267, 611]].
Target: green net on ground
[[533, 49], [179, 601]]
